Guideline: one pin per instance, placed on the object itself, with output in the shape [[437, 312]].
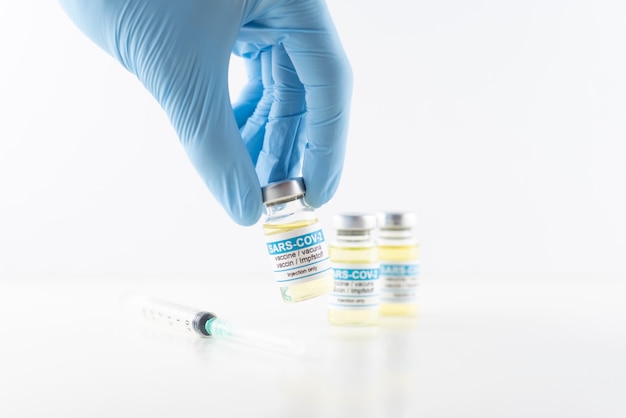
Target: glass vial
[[398, 252], [355, 299], [295, 242]]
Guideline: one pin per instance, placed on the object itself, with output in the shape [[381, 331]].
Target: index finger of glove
[[324, 70]]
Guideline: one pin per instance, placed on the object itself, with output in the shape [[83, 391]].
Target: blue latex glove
[[291, 118]]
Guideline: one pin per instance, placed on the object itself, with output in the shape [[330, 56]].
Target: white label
[[299, 255], [399, 281], [356, 286]]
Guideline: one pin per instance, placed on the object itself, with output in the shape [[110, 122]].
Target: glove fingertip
[[245, 209], [319, 193]]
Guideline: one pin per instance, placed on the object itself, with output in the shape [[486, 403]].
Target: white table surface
[[495, 346]]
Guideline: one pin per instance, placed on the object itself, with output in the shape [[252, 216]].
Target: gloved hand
[[291, 118]]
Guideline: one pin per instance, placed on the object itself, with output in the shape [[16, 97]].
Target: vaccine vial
[[295, 242], [355, 300], [398, 252]]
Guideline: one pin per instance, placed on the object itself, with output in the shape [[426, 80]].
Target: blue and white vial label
[[298, 256], [356, 286], [399, 281]]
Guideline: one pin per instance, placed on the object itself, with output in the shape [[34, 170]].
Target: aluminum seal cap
[[397, 220], [283, 191], [354, 221]]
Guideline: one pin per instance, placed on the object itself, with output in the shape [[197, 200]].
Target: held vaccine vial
[[295, 242], [355, 299], [399, 263]]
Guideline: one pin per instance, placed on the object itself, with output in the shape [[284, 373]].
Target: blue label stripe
[[296, 243], [399, 270], [356, 274]]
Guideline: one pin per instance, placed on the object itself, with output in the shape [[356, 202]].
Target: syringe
[[207, 324]]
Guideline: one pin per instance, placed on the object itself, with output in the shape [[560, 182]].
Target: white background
[[500, 122]]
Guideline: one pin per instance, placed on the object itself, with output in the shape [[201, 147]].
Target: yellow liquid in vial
[[307, 290], [391, 253], [353, 255]]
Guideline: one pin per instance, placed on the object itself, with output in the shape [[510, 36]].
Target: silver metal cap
[[354, 221], [283, 191], [397, 220]]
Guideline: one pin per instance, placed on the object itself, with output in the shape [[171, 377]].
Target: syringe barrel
[[174, 316], [206, 324]]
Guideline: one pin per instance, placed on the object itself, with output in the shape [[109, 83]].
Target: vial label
[[299, 255], [356, 286], [399, 281]]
